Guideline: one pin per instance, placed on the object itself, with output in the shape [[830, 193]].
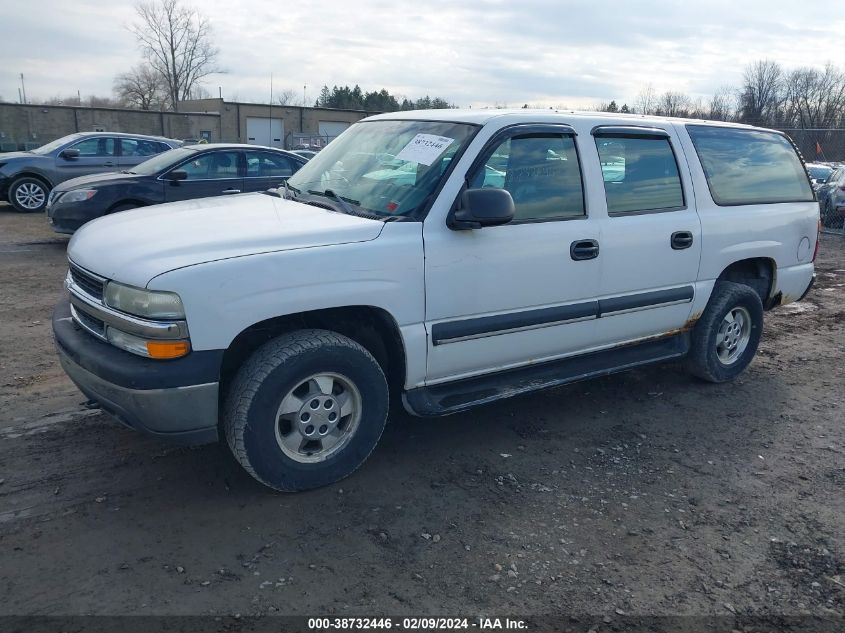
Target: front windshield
[[383, 168], [162, 161], [49, 147], [819, 172]]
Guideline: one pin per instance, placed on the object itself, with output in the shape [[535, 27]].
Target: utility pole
[[23, 89], [304, 102]]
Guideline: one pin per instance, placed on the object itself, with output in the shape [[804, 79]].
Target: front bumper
[[175, 400], [69, 217]]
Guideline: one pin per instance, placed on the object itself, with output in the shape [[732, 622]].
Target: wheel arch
[[372, 327], [120, 203], [759, 273], [28, 173]]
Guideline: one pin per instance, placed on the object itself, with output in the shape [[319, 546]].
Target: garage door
[[332, 128], [265, 131]]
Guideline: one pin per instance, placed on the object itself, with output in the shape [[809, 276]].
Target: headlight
[[144, 347], [152, 304], [79, 195]]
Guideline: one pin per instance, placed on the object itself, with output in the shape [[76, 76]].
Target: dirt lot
[[643, 493]]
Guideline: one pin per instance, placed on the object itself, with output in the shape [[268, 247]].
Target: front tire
[[725, 338], [28, 195], [305, 410]]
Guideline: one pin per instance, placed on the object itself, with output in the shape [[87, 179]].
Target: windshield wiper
[[290, 192], [342, 203]]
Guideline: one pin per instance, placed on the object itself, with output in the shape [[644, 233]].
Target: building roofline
[[110, 108]]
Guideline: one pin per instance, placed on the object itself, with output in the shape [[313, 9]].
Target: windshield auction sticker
[[425, 148]]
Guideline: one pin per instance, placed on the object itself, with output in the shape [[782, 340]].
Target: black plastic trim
[[490, 325], [646, 300], [463, 394], [451, 331], [129, 370], [629, 131]]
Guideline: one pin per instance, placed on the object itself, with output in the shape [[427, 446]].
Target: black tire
[[19, 189], [703, 360], [272, 372]]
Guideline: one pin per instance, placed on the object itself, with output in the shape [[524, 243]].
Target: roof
[[207, 146], [484, 116], [127, 135]]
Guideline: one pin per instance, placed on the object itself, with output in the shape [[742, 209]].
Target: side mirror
[[482, 207], [69, 154], [177, 174]]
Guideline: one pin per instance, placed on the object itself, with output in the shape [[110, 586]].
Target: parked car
[[289, 324], [26, 178], [197, 171], [831, 197], [307, 154], [819, 173]]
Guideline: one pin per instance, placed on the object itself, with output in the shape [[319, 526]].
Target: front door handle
[[681, 240], [108, 164], [231, 191], [580, 250]]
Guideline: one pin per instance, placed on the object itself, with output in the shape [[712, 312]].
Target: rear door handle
[[108, 164], [681, 240], [231, 191], [580, 250]]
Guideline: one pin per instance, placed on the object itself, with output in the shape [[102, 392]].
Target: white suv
[[442, 258]]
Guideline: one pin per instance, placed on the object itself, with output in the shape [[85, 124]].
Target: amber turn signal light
[[168, 349]]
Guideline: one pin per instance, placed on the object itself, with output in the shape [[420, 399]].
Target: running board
[[464, 394]]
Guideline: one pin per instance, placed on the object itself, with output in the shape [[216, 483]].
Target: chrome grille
[[89, 322], [89, 283]]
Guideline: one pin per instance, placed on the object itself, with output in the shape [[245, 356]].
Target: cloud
[[477, 52]]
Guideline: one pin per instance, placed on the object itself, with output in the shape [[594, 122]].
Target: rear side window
[[640, 174], [749, 166], [542, 174], [96, 146]]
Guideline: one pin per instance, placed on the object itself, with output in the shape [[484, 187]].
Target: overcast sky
[[473, 52]]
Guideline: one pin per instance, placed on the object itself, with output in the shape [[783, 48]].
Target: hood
[[6, 157], [97, 180], [134, 246]]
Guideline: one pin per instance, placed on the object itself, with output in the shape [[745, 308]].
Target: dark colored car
[[26, 178], [197, 171], [831, 197], [819, 173]]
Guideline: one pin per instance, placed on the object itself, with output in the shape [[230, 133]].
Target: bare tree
[[176, 41], [762, 93], [141, 87], [815, 99], [646, 101], [722, 106], [288, 97], [673, 103]]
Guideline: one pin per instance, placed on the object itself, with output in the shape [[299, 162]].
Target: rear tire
[[28, 195], [725, 338], [305, 410]]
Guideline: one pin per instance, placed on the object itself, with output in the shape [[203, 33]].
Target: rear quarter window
[[749, 166]]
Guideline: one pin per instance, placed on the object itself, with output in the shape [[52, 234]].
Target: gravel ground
[[644, 493]]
